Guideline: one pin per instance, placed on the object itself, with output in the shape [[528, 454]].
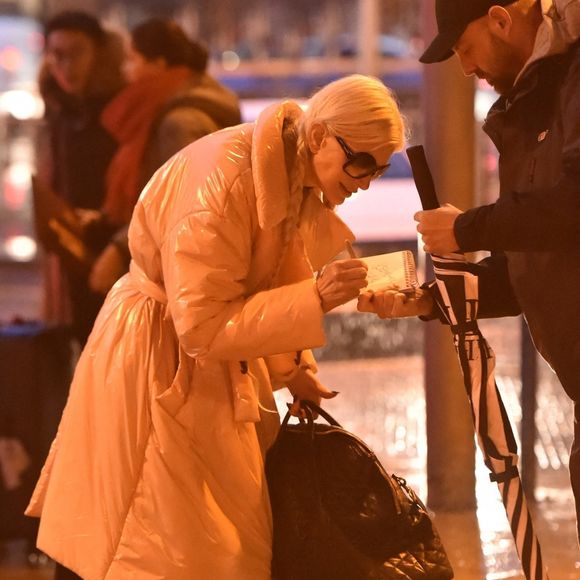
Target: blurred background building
[[261, 49]]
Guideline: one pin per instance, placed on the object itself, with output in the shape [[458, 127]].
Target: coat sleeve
[[546, 219], [206, 260], [496, 296]]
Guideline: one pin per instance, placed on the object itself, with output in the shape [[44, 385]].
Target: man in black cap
[[529, 52]]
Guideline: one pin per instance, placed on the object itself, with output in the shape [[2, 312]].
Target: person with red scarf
[[170, 101]]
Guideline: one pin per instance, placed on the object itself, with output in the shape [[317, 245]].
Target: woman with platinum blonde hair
[[157, 470]]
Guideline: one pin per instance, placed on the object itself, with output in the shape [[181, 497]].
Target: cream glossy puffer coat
[[157, 469]]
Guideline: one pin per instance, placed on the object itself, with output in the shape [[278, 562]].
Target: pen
[[350, 249]]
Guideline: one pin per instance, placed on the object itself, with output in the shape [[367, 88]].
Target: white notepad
[[392, 271]]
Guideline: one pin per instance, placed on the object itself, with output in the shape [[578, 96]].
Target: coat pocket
[[174, 397]]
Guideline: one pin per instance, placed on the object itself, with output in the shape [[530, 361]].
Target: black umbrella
[[457, 298]]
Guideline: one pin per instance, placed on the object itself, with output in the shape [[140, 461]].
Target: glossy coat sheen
[[157, 469]]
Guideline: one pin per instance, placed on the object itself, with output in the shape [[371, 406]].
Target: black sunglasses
[[360, 164]]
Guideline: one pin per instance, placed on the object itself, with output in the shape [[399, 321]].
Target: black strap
[[464, 327], [503, 476], [310, 409]]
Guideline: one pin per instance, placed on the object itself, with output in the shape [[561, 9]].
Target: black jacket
[[534, 227]]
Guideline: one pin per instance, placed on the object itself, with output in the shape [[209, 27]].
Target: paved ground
[[384, 403], [381, 400]]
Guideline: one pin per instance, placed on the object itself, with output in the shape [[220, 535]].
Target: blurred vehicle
[[316, 46], [298, 78]]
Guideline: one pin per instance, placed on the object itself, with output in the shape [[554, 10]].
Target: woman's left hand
[[395, 304], [305, 386]]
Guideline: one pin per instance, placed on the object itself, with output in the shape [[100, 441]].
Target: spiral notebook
[[392, 271]]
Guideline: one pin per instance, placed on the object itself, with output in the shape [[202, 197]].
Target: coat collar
[[323, 232], [269, 172]]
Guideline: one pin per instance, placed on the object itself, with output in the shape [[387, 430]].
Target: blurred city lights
[[20, 248], [16, 185], [21, 104], [230, 60], [10, 59]]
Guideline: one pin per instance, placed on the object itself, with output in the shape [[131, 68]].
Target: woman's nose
[[364, 182]]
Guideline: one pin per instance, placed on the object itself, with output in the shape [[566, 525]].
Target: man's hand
[[305, 386], [394, 304], [436, 228], [340, 282], [106, 270], [88, 217]]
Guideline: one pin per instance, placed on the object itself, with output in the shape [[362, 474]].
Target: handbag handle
[[311, 408], [394, 482]]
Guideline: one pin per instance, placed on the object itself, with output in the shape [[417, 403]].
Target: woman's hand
[[340, 282], [395, 304], [305, 386]]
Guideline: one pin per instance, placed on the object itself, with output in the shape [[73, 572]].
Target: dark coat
[[534, 227]]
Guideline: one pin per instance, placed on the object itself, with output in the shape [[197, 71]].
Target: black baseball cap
[[453, 16]]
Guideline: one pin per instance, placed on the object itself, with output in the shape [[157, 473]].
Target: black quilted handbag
[[339, 516]]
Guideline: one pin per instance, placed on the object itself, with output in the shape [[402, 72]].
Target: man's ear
[[500, 21], [316, 137]]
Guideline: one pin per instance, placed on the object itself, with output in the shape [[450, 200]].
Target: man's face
[[71, 56], [483, 54]]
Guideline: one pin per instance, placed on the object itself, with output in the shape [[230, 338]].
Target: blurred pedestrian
[[158, 467], [170, 101], [80, 73], [529, 51]]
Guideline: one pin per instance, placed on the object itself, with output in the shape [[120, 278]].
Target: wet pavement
[[381, 400]]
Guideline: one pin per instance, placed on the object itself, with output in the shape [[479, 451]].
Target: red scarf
[[128, 118]]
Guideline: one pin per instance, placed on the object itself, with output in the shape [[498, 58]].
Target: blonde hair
[[360, 109]]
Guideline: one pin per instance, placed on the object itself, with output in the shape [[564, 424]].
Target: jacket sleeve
[[525, 222], [206, 260], [546, 219], [496, 296]]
